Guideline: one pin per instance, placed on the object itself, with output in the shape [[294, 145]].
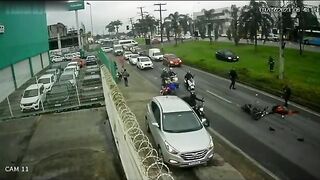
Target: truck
[[117, 49], [155, 54]]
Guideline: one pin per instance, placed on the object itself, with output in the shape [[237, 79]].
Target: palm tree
[[174, 19], [252, 18], [185, 22], [208, 15], [167, 27], [110, 28], [201, 25], [234, 24], [151, 23]]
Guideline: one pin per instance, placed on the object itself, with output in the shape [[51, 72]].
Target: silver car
[[179, 134]]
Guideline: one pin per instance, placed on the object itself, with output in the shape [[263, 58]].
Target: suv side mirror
[[156, 124]]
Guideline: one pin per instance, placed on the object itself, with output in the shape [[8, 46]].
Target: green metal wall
[[26, 33]]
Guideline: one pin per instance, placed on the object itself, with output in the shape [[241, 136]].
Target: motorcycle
[[174, 79], [255, 112], [168, 89], [189, 84], [199, 109]]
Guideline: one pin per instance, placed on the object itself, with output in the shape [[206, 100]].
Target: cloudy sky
[[104, 12]]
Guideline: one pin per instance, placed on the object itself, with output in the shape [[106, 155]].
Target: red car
[[171, 60]]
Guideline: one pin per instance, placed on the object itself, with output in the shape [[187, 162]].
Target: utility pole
[[132, 26], [161, 24], [141, 12]]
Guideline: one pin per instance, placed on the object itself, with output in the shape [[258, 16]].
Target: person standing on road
[[286, 95], [233, 76], [125, 76]]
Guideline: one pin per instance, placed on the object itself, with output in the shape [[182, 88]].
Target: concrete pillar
[[59, 42]]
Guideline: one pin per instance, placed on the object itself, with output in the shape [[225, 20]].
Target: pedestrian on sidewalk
[[233, 76], [286, 95], [125, 76]]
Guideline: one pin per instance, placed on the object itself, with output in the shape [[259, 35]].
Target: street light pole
[[91, 19], [78, 32]]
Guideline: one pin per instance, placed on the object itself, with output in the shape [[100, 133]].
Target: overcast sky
[[103, 12]]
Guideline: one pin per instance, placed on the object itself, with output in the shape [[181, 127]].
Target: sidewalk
[[137, 95]]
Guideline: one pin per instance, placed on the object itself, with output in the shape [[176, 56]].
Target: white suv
[[144, 62], [47, 80], [32, 97], [179, 134]]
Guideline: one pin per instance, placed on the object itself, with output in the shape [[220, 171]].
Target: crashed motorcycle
[[255, 111]]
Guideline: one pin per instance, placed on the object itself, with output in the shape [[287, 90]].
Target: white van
[[128, 42], [47, 80], [117, 49], [155, 54]]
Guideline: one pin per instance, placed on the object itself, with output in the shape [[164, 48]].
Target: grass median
[[301, 72]]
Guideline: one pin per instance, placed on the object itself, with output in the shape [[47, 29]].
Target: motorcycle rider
[[188, 77], [164, 75], [193, 99], [171, 72]]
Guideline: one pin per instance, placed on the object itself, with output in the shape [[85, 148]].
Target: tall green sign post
[[75, 6]]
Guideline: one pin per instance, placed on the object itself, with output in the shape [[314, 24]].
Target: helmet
[[164, 69], [170, 68], [189, 72]]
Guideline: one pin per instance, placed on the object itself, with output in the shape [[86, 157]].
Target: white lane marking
[[219, 96]]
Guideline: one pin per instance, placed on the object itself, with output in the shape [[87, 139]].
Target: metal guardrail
[[140, 160]]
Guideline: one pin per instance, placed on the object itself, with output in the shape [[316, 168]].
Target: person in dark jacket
[[125, 76], [233, 76], [286, 95], [193, 99]]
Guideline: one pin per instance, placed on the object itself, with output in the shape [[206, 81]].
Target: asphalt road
[[288, 147]]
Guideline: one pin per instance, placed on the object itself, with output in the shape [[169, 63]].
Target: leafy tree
[[208, 15], [167, 27], [117, 24], [229, 34], [252, 19], [110, 28]]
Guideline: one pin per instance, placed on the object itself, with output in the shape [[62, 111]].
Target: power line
[[161, 24]]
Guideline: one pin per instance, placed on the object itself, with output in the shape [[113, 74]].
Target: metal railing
[[139, 159]]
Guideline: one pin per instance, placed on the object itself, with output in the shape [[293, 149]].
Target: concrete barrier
[[139, 159]]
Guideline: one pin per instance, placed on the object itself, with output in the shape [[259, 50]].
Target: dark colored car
[[227, 55], [171, 60], [61, 93]]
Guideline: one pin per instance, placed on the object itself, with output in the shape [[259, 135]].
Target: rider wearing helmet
[[171, 73], [187, 77], [193, 97], [164, 75]]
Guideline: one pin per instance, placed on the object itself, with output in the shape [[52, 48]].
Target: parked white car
[[74, 63], [133, 59], [47, 80], [68, 76], [69, 56], [144, 62], [56, 59], [72, 69], [32, 97]]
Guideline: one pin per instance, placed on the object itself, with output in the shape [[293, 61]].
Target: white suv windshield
[[30, 93], [44, 80], [144, 59], [178, 122]]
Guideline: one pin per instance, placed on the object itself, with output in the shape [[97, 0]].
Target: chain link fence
[[140, 159], [85, 92]]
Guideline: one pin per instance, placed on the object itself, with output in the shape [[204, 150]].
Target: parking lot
[[86, 93]]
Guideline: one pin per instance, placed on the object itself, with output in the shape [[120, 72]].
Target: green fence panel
[[111, 65]]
